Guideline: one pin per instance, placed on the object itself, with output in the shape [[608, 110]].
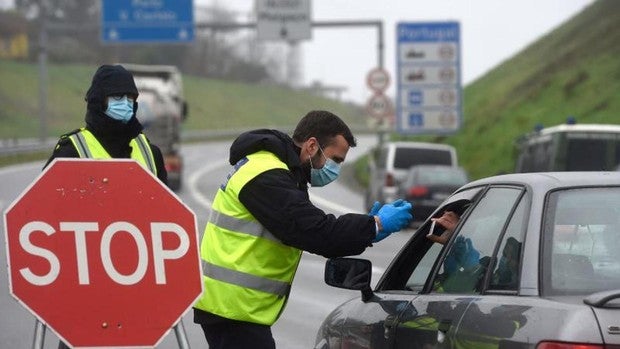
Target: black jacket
[[113, 135], [278, 199], [117, 147]]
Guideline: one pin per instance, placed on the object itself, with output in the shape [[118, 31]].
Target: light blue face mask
[[325, 175], [120, 108]]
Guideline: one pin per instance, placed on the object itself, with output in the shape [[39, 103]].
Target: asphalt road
[[311, 299]]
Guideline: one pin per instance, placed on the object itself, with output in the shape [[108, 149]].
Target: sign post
[[161, 21], [429, 79], [103, 253]]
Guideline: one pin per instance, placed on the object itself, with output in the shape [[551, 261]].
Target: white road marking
[[193, 182]]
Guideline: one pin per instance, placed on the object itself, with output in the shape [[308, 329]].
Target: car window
[[506, 272], [438, 176], [582, 230], [469, 253], [412, 268], [406, 157], [423, 270]]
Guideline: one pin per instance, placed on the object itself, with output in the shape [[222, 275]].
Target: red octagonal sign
[[103, 253]]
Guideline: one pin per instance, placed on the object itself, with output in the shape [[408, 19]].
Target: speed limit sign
[[379, 105], [378, 80]]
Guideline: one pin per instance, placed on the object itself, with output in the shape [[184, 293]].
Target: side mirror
[[350, 274]]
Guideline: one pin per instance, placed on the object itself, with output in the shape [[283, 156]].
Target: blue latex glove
[[462, 255], [393, 217], [375, 209]]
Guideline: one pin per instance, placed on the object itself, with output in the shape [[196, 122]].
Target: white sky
[[491, 31]]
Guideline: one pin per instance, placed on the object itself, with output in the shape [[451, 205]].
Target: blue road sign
[[428, 78], [147, 21]]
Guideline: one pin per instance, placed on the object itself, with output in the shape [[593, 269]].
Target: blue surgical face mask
[[325, 175], [120, 108]]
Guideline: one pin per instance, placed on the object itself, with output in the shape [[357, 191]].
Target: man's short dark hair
[[323, 125]]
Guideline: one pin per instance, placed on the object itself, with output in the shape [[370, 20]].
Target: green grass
[[572, 71], [213, 104]]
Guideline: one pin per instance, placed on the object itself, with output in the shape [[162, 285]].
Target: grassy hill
[[572, 71], [213, 104]]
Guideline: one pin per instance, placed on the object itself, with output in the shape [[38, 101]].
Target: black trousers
[[238, 335]]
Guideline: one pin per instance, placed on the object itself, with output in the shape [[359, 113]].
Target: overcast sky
[[491, 31]]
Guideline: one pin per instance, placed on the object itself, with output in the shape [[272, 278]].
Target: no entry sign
[[103, 253]]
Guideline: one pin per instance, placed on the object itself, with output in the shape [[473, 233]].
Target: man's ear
[[311, 146]]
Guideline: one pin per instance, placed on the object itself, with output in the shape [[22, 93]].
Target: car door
[[456, 277], [404, 281], [496, 318]]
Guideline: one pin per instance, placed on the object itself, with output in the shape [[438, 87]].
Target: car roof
[[405, 144], [552, 180], [436, 167]]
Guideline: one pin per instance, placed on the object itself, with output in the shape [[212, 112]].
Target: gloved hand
[[462, 255], [393, 217], [375, 209]]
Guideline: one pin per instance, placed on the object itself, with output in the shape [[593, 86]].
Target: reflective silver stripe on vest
[[80, 143], [238, 278], [252, 228], [144, 149]]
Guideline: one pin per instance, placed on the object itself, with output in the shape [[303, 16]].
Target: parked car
[[533, 263], [388, 166], [427, 186]]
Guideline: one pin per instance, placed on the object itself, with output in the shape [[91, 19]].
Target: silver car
[[532, 263]]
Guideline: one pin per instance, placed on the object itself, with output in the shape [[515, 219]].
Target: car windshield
[[405, 157], [582, 239]]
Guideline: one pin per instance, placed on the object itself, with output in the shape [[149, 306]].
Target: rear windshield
[[590, 154], [582, 240], [440, 176], [407, 157]]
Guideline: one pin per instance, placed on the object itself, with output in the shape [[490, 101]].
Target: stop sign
[[103, 253]]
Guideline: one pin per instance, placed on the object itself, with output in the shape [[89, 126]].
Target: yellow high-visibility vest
[[89, 147], [247, 271]]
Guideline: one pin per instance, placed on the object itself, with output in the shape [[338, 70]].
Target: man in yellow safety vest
[[262, 219], [112, 129]]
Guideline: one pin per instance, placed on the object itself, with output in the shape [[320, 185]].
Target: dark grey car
[[534, 262]]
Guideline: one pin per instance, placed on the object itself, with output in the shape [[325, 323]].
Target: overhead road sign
[[147, 21], [103, 253], [428, 78], [283, 20]]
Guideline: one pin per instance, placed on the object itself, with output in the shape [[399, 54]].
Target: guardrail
[[32, 145]]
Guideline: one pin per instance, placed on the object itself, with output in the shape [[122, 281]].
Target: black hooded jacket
[[279, 200], [113, 135]]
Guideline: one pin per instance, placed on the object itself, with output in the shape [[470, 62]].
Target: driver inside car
[[461, 268]]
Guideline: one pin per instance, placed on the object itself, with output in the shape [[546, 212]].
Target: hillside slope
[[572, 71], [213, 104]]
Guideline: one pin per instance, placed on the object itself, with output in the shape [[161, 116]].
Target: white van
[[388, 166]]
